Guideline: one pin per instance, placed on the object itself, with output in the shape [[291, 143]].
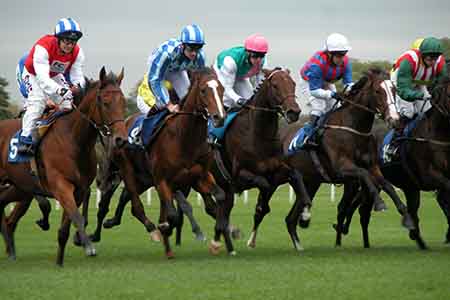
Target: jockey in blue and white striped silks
[[170, 62]]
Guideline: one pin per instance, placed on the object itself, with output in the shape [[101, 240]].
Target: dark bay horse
[[252, 156], [178, 159], [66, 159], [424, 166], [346, 152]]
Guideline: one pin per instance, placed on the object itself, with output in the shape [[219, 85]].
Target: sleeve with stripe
[[156, 71]]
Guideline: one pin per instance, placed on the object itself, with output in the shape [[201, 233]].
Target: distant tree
[[5, 107], [131, 99], [446, 43]]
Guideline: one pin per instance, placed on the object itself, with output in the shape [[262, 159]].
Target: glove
[[65, 93], [336, 96], [426, 95], [347, 89]]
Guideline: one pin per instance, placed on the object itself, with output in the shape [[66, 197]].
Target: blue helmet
[[192, 34], [68, 28]]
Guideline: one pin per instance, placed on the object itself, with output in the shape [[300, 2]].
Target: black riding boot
[[311, 141], [398, 133]]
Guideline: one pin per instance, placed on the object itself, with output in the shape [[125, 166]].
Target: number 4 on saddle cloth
[[41, 128], [145, 128], [390, 149]]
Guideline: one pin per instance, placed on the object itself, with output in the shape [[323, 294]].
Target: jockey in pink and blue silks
[[43, 75], [236, 66], [320, 73]]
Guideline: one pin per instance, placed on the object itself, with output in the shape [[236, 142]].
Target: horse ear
[[120, 76], [266, 72], [102, 74]]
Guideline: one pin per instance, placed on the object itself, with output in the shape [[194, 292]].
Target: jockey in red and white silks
[[236, 66], [43, 75]]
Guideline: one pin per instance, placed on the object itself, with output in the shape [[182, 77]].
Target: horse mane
[[258, 86]]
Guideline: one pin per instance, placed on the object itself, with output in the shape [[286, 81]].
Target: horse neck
[[354, 117], [265, 123], [82, 131]]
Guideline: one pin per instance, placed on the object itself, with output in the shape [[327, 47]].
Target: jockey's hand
[[50, 104], [75, 89], [240, 102], [65, 93], [173, 108], [347, 89]]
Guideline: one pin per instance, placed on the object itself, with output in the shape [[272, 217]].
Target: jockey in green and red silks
[[319, 74], [43, 75], [237, 65]]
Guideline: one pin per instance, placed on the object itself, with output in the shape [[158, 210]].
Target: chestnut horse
[[66, 159], [177, 159], [415, 171], [346, 152]]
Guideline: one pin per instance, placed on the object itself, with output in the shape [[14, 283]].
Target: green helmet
[[431, 45]]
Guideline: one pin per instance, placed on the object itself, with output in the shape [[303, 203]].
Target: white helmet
[[337, 42]]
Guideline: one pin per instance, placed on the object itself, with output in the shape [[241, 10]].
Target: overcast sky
[[124, 33]]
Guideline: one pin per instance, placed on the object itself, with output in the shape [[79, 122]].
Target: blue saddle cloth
[[385, 157], [217, 133], [143, 130], [13, 155]]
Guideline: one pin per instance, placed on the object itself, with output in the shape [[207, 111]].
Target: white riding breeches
[[36, 101], [318, 106], [409, 109]]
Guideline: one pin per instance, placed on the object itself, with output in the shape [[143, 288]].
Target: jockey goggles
[[256, 54], [193, 47]]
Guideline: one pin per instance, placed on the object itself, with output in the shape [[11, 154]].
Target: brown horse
[[177, 159], [252, 154], [346, 152], [66, 159], [415, 172]]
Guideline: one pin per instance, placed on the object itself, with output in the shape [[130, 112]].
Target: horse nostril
[[292, 115]]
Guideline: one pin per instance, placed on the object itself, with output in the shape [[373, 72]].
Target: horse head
[[110, 106], [377, 93], [206, 96], [280, 91]]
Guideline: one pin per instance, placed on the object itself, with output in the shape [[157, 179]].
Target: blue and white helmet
[[68, 28], [192, 34]]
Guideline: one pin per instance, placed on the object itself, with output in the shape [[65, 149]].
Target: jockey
[[43, 75], [235, 67], [413, 72], [167, 68], [318, 76]]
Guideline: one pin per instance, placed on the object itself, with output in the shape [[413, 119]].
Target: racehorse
[[65, 159], [251, 155], [177, 159], [346, 152], [415, 172]]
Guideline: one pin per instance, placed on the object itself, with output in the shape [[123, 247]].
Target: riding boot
[[398, 133], [310, 140]]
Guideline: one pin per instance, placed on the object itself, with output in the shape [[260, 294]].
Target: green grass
[[130, 266]]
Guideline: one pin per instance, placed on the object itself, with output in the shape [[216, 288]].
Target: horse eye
[[203, 92]]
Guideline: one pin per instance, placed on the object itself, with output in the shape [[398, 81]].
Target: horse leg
[[103, 208], [365, 211], [45, 207], [179, 226], [301, 210], [167, 215], [18, 212], [407, 222], [262, 208], [64, 192], [63, 236], [350, 189], [84, 196], [186, 209], [413, 199], [357, 200], [124, 198], [442, 199]]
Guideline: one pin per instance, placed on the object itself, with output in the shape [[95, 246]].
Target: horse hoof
[[305, 215], [235, 232], [232, 253], [214, 247], [90, 251], [94, 238], [251, 244], [77, 240], [199, 236], [155, 236], [110, 223], [170, 255], [380, 206], [12, 257], [298, 246], [43, 225]]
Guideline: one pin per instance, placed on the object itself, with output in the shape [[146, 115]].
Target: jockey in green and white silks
[[169, 62], [235, 67], [413, 72]]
